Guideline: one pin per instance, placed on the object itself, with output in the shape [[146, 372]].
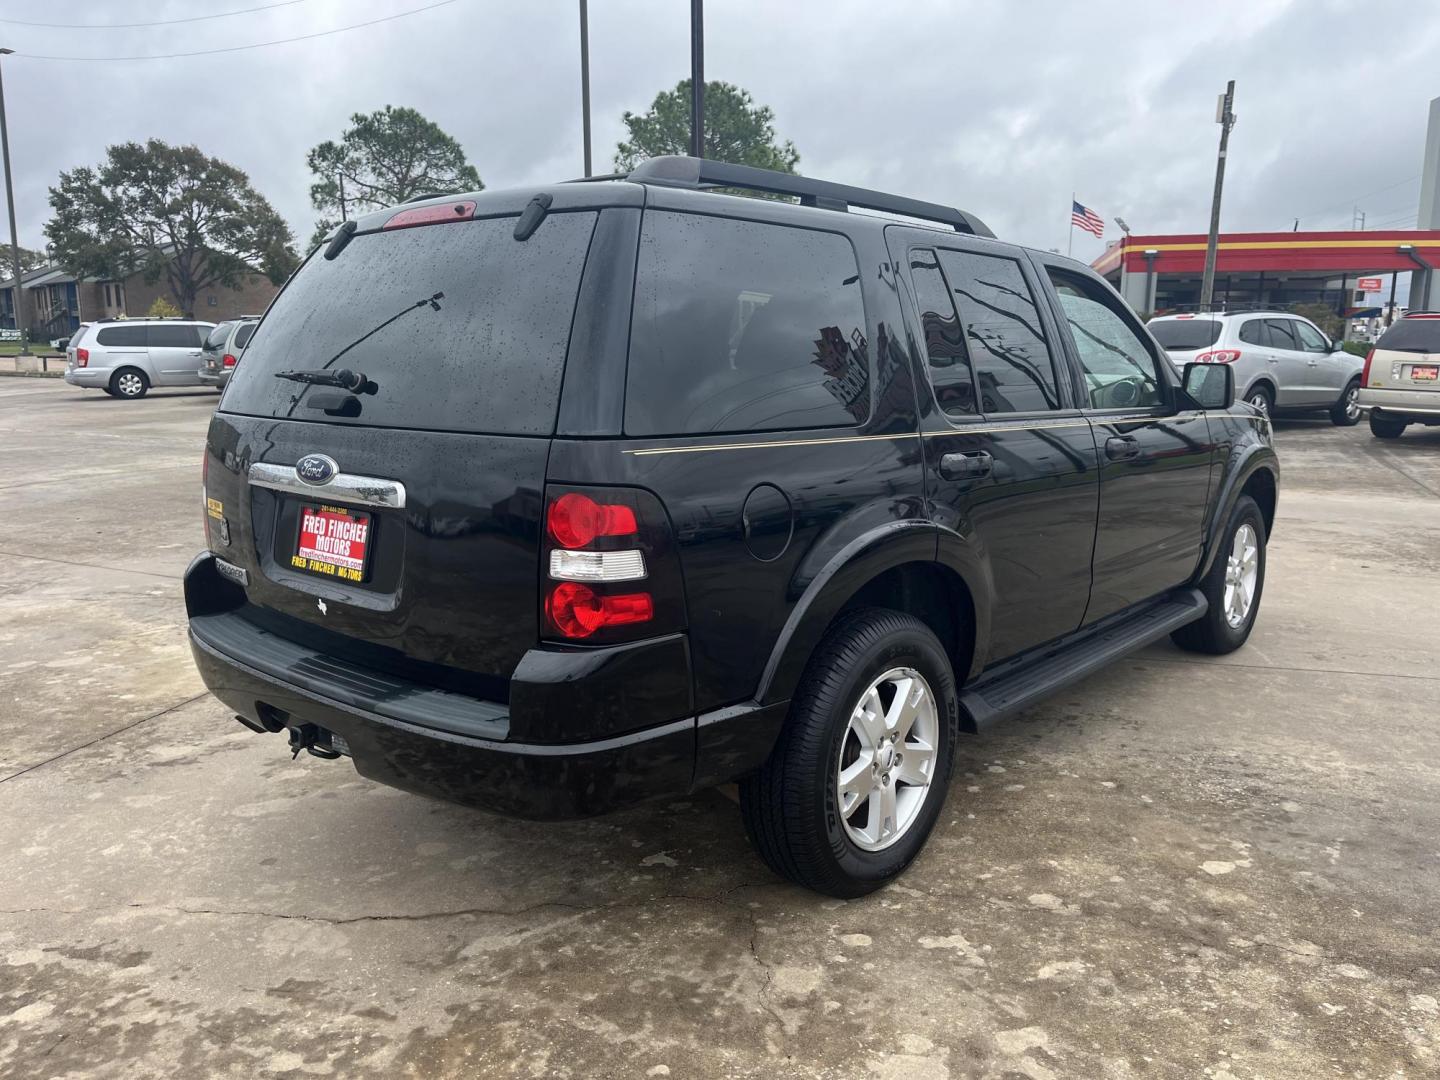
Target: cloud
[[1002, 108]]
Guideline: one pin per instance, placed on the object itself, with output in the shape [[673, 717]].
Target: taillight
[[432, 215], [1365, 375], [1218, 356], [227, 360], [82, 357], [610, 571], [575, 520], [577, 611]]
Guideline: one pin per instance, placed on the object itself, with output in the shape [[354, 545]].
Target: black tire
[[1261, 398], [1346, 411], [130, 383], [1385, 427], [1213, 633], [790, 805]]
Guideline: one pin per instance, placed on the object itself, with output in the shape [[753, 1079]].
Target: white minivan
[[125, 357], [1282, 362]]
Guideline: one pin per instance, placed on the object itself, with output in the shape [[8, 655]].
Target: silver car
[[1282, 363], [1402, 376], [223, 349], [126, 357]]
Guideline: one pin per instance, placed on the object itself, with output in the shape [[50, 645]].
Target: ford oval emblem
[[316, 469]]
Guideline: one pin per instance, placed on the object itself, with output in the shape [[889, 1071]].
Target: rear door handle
[[1121, 448], [973, 466]]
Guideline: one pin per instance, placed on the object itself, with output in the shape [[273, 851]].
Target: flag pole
[[1070, 242]]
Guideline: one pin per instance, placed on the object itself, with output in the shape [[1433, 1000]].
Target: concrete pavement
[[1181, 867]]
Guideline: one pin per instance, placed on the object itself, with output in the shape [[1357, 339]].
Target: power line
[[243, 48], [162, 22], [1356, 198]]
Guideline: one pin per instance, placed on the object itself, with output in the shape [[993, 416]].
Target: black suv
[[552, 501]]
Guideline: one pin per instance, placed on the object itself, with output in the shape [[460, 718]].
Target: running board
[[1021, 682]]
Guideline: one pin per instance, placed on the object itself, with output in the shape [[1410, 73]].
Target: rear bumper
[[1424, 403], [456, 748], [217, 378], [88, 377]]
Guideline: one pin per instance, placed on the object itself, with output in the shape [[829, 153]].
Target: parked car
[[551, 501], [223, 348], [126, 357], [1283, 363], [1401, 384]]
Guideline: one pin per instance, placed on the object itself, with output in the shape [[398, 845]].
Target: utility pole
[[585, 79], [10, 203], [697, 78], [1225, 117], [340, 177]]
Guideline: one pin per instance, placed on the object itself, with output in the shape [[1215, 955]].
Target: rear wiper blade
[[344, 378]]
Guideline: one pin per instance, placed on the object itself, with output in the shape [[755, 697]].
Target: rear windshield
[[1184, 334], [1412, 335], [216, 340], [460, 327]]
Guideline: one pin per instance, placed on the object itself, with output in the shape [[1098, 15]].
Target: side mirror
[[1211, 386], [1337, 346]]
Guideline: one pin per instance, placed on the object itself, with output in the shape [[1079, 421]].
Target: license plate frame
[[327, 551], [1424, 372]]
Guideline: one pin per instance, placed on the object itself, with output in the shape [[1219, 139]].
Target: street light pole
[[697, 78], [1226, 119], [585, 78], [10, 203]]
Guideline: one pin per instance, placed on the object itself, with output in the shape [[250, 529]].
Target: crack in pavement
[[101, 738], [1139, 659], [90, 566]]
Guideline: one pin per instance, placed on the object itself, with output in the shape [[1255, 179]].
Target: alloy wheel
[[887, 759], [1242, 574], [1352, 403], [129, 384], [1261, 403]]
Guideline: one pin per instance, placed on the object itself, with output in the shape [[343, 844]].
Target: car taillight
[[227, 360], [577, 611], [82, 357], [575, 520], [1218, 356], [1365, 374], [609, 566]]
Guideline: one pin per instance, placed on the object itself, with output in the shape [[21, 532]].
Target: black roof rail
[[689, 172]]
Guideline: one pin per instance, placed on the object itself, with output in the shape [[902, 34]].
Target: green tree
[[30, 259], [168, 212], [1323, 316], [736, 130], [163, 308], [385, 158]]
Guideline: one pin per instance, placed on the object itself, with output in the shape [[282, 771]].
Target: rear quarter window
[[744, 326], [1185, 334], [460, 326], [123, 337], [242, 336], [1412, 335], [216, 338]]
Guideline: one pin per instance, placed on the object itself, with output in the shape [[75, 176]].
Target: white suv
[[125, 357], [1282, 363]]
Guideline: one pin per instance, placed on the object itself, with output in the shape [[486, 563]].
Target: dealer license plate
[[333, 542]]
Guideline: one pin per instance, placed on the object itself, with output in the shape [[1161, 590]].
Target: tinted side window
[[125, 337], [242, 336], [1282, 336], [741, 326], [1013, 368], [1119, 368], [173, 336], [944, 343], [1311, 339], [1252, 332]]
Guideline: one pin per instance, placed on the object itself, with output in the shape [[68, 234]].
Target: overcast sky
[[1003, 108]]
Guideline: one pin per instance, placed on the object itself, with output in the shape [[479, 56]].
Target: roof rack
[[689, 172]]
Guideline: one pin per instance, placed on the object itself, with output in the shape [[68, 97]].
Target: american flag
[[1085, 218]]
